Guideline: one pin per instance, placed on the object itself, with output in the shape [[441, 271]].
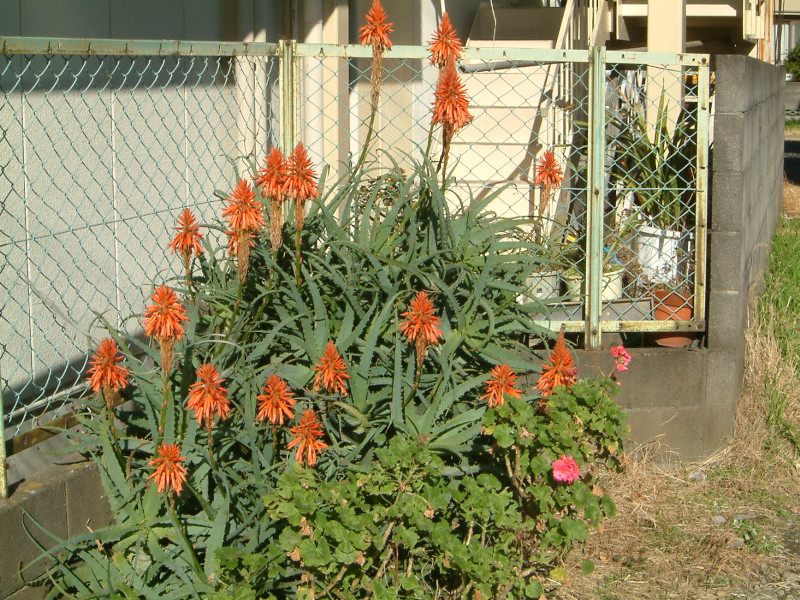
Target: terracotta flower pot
[[672, 306]]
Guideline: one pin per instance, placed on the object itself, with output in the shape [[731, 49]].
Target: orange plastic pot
[[672, 306]]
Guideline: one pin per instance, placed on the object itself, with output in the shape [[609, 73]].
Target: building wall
[[209, 20]]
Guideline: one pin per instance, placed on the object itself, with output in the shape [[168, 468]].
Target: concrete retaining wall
[[67, 500]]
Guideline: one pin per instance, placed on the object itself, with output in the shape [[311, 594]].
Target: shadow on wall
[[791, 160]]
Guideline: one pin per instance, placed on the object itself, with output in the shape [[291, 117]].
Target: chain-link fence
[[105, 142]]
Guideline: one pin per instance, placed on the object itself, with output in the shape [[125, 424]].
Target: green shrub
[[792, 63]]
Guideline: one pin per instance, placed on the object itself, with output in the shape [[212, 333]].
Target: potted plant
[[673, 301], [655, 164]]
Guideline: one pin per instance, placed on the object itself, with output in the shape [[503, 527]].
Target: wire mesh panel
[[653, 239], [100, 154]]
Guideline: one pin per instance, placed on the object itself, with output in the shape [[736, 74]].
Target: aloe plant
[[656, 163]]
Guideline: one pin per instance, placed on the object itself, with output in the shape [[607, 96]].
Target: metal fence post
[[595, 196], [701, 196], [288, 94]]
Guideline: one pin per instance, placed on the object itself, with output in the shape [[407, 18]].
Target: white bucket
[[574, 287], [544, 285], [657, 251]]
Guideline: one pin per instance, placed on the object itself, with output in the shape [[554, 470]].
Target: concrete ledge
[[64, 499]]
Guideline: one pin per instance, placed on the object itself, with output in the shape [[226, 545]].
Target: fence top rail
[[109, 47]]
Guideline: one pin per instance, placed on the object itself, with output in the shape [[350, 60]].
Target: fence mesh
[[100, 154]]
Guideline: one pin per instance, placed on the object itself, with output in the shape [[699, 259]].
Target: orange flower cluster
[[306, 438], [243, 212], [445, 47], [207, 397], [560, 370], [276, 403], [271, 179], [331, 371], [170, 474], [451, 107], [280, 178], [422, 327], [187, 241], [245, 217], [163, 319], [105, 372], [301, 183], [376, 32], [549, 177], [272, 175], [502, 383]]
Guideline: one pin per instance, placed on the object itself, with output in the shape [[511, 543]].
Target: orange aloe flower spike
[[187, 241], [502, 383], [104, 371], [170, 474], [422, 324], [272, 176], [548, 172], [306, 438], [243, 212], [163, 319], [376, 31], [301, 180], [276, 403], [445, 47], [208, 397], [451, 106], [560, 370], [233, 241], [331, 371]]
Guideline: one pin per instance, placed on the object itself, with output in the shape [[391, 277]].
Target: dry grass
[[791, 199], [665, 542]]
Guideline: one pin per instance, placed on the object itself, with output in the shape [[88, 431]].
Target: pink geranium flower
[[621, 358], [566, 469]]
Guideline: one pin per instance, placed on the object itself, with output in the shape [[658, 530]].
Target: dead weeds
[[791, 199]]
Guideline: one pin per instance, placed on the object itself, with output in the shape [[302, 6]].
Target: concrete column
[[334, 87], [251, 85], [311, 78], [666, 32]]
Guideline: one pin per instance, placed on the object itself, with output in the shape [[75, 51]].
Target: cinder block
[[681, 429], [86, 502], [732, 89], [729, 141], [726, 318], [727, 258], [724, 377], [641, 388], [727, 205], [718, 421], [44, 500]]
